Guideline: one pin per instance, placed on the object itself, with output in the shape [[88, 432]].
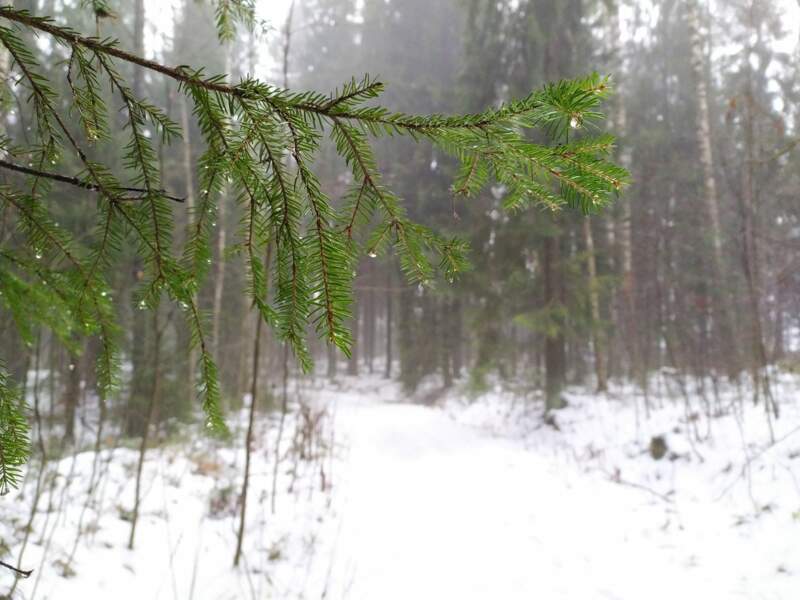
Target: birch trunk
[[188, 175], [219, 274]]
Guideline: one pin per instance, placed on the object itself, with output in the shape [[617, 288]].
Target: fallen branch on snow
[[20, 572]]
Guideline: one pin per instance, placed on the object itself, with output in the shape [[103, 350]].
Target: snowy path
[[435, 509], [425, 507]]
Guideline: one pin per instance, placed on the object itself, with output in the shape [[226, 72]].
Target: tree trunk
[[723, 310], [598, 332], [370, 318], [332, 360], [71, 396], [188, 175], [138, 391], [554, 353], [457, 351], [219, 275], [352, 364], [138, 45], [249, 441], [151, 407], [5, 65], [445, 318], [621, 233], [389, 319], [750, 257]]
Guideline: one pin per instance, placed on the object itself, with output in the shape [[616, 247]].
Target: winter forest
[[400, 299]]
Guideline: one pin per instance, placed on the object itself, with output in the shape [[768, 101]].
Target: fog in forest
[[383, 299]]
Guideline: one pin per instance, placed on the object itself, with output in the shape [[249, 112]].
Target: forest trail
[[425, 504], [433, 509]]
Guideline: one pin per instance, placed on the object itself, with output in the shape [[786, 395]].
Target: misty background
[[645, 359]]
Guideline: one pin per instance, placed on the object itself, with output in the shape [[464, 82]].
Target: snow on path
[[424, 507], [433, 509]]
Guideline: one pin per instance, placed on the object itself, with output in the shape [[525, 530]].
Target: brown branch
[[80, 183], [20, 572]]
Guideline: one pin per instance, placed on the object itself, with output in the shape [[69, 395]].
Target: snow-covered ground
[[467, 500]]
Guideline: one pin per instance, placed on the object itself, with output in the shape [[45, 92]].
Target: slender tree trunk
[[389, 319], [750, 257], [71, 397], [5, 64], [186, 156], [457, 351], [724, 316], [598, 332], [287, 38], [778, 347], [188, 175], [151, 407], [281, 426], [352, 364], [621, 235], [138, 44], [56, 358], [333, 360], [219, 275], [37, 494], [249, 441], [138, 389], [554, 354], [558, 59], [370, 318], [445, 317]]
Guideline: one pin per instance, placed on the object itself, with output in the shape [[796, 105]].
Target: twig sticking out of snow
[[22, 573], [616, 478], [750, 460]]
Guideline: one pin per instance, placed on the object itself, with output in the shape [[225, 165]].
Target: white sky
[[161, 16]]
